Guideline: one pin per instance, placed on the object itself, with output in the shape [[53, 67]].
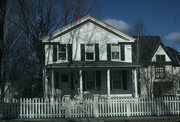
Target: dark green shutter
[[56, 81], [97, 52], [69, 52], [124, 79], [108, 52], [98, 79], [54, 52], [122, 52], [72, 81], [82, 52]]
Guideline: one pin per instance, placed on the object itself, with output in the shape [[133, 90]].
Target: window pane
[[62, 47], [62, 52], [89, 48], [160, 72], [115, 51], [116, 80], [90, 80], [62, 56], [115, 55], [89, 56], [115, 48], [160, 58]]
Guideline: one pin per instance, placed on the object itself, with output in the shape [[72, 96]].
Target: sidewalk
[[115, 119]]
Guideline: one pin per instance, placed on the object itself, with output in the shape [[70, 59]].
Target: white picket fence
[[91, 107]]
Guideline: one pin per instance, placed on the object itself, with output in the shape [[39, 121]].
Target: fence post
[[128, 108], [95, 107], [67, 106]]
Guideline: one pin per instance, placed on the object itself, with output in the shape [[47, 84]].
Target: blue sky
[[160, 17]]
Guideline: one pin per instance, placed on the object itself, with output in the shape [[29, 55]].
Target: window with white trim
[[90, 52], [62, 52], [90, 78], [115, 52]]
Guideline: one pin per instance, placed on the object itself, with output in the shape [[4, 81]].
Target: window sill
[[89, 60], [61, 61]]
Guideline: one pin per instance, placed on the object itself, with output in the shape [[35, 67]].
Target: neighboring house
[[89, 55], [160, 66]]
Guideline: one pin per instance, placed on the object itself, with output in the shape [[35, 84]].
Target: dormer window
[[115, 52], [160, 58], [62, 52], [90, 52]]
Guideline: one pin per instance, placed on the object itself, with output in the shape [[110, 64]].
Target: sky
[[160, 17]]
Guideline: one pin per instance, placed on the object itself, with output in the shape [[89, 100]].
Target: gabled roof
[[82, 21], [175, 55], [148, 45]]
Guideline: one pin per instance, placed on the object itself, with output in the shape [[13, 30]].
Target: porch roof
[[93, 64]]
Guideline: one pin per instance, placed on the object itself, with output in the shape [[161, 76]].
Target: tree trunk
[[2, 22]]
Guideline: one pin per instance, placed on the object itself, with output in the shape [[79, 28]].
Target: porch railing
[[90, 107]]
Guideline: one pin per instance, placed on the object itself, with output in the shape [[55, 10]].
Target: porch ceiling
[[93, 64]]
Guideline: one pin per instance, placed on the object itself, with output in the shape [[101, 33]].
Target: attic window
[[160, 58]]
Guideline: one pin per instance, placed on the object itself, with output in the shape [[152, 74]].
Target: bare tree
[[2, 23], [139, 29], [150, 86], [38, 18]]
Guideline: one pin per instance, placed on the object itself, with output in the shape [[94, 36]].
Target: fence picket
[[104, 107]]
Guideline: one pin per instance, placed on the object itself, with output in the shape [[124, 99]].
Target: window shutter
[[72, 81], [82, 52], [98, 79], [56, 81], [122, 52], [124, 79], [54, 52], [69, 52], [96, 52], [108, 52]]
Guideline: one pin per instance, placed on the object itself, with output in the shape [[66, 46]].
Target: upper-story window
[[90, 52], [159, 72], [115, 52], [62, 52], [160, 58]]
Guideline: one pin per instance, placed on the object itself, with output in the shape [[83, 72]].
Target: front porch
[[99, 81]]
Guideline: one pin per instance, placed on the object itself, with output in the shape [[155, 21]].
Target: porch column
[[81, 82], [44, 83], [52, 83], [45, 86], [135, 82], [108, 82]]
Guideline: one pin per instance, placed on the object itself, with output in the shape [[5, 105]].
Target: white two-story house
[[89, 55]]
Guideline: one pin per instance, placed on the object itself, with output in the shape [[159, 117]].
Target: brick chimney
[[78, 17]]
